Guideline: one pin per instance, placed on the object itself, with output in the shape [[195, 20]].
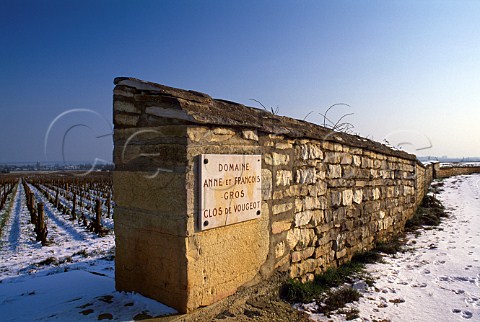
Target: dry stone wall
[[424, 175], [453, 170], [325, 195]]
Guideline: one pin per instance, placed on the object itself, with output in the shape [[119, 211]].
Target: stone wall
[[424, 175], [455, 170], [325, 195]]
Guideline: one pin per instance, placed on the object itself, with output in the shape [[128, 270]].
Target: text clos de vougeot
[[230, 189]]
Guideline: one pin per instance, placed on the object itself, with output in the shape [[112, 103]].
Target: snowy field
[[72, 279], [438, 278]]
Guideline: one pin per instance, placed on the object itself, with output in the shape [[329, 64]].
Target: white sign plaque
[[230, 189]]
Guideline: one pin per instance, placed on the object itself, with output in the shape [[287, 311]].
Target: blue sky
[[408, 69]]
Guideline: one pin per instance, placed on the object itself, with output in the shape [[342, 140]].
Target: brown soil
[[258, 303]]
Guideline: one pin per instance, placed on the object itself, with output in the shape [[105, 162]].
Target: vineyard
[[79, 200], [45, 212], [52, 224], [7, 185]]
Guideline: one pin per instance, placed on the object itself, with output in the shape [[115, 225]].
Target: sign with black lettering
[[230, 189]]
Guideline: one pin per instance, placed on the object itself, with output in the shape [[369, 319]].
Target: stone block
[[310, 152], [302, 268], [300, 238], [283, 146], [346, 159], [339, 215], [376, 194], [318, 217], [122, 92], [347, 197], [303, 218], [296, 256], [336, 198], [283, 177], [311, 203], [279, 249], [250, 135], [278, 209], [390, 192], [228, 258], [358, 196], [367, 163], [131, 187], [334, 171], [327, 145], [199, 134], [267, 185], [349, 172], [223, 131], [337, 147], [298, 204], [194, 151], [278, 194], [152, 264], [276, 158], [164, 134], [165, 110], [305, 176], [125, 107], [125, 120], [341, 253], [309, 277], [332, 157], [283, 262], [302, 254], [357, 160], [296, 190], [221, 135], [321, 188], [150, 158], [280, 226]]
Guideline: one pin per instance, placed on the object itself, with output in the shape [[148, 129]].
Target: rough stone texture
[[448, 171], [284, 177], [213, 271], [151, 241], [276, 159], [325, 195]]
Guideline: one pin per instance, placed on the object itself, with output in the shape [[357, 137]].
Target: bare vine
[[339, 125], [271, 109]]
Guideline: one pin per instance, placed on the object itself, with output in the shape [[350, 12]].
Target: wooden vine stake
[[41, 227], [98, 218], [109, 199], [56, 199], [96, 224], [74, 206]]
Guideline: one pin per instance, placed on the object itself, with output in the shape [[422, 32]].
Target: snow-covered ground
[[71, 279], [438, 279]]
